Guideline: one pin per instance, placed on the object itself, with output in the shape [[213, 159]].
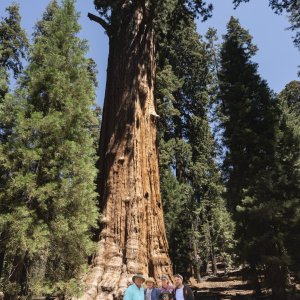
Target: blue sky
[[277, 57]]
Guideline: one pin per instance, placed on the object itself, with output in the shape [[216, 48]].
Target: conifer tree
[[287, 173], [13, 48], [13, 41], [191, 186], [291, 96], [261, 172], [246, 102], [49, 199], [246, 106]]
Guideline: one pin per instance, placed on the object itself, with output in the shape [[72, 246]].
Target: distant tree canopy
[[113, 11], [13, 41]]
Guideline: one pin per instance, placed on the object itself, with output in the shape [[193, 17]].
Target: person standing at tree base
[[182, 291], [151, 292], [165, 284], [135, 291]]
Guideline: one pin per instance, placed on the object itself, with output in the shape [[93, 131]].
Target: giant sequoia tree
[[133, 236]]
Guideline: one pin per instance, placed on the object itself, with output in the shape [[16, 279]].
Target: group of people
[[167, 292]]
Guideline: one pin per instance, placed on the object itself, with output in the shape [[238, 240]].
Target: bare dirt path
[[235, 285]]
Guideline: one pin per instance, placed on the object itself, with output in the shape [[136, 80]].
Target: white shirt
[[179, 294], [148, 294]]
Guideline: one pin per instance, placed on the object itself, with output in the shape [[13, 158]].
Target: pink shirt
[[169, 289]]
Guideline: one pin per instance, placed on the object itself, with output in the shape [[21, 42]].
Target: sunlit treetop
[[115, 12]]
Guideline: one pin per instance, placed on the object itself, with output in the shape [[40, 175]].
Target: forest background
[[228, 145]]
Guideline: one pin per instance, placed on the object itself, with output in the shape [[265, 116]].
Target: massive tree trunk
[[133, 236], [197, 259]]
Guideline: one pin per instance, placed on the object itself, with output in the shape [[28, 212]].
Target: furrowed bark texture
[[133, 238]]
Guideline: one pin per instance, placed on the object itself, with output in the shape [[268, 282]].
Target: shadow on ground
[[236, 285]]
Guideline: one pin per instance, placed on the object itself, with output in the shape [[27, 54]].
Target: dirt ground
[[225, 287], [234, 285]]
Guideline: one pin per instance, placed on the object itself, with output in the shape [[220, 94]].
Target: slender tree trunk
[[37, 271], [278, 278], [254, 275], [207, 249], [2, 257], [197, 259], [207, 255], [224, 260], [212, 252], [16, 277], [213, 260], [197, 264], [2, 251], [133, 237]]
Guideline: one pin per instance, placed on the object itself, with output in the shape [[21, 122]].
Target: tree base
[[109, 276]]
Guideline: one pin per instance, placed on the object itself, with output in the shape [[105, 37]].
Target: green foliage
[[291, 97], [246, 103], [48, 205], [160, 10], [177, 199], [287, 172], [13, 41], [262, 160], [246, 106], [13, 48], [190, 181]]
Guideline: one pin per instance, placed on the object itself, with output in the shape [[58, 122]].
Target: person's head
[[178, 280], [138, 279], [164, 281], [165, 295], [150, 283]]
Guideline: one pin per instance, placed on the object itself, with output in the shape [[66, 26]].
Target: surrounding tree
[[191, 185], [261, 161], [291, 96], [287, 173], [13, 41], [13, 48], [245, 104], [48, 204]]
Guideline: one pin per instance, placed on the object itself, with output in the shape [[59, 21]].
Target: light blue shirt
[[134, 293], [179, 294]]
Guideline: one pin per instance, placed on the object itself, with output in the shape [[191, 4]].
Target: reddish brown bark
[[133, 237]]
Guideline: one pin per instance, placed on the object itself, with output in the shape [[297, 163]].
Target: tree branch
[[100, 21]]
